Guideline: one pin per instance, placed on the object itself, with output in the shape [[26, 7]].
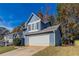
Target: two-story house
[[39, 32]]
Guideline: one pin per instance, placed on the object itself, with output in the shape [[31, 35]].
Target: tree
[[17, 42], [68, 16]]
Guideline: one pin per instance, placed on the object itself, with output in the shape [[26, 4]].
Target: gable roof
[[44, 19], [31, 17], [47, 30]]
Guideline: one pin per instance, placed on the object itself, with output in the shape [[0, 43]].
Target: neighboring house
[[40, 33], [8, 39], [2, 43]]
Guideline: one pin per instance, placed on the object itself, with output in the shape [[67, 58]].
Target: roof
[[46, 30], [44, 20], [31, 17]]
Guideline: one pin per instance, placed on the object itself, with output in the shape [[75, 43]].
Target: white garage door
[[39, 40]]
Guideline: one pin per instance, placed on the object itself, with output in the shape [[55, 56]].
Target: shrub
[[1, 37], [17, 42]]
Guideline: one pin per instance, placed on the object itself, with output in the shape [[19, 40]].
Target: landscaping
[[4, 49], [17, 42], [59, 51]]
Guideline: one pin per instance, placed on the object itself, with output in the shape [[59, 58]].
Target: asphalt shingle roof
[[46, 30]]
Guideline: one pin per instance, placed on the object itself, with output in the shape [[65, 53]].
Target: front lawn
[[59, 51], [4, 49]]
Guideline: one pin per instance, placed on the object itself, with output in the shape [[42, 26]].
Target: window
[[37, 27], [32, 26], [29, 27]]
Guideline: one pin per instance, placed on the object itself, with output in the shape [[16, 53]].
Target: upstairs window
[[33, 27], [37, 25], [29, 27]]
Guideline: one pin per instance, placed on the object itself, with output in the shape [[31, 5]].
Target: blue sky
[[12, 15]]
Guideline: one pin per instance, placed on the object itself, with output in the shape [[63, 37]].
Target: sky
[[14, 14]]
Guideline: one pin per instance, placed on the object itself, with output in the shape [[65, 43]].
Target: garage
[[46, 37], [39, 40]]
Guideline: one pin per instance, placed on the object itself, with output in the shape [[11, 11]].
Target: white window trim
[[34, 22], [33, 30]]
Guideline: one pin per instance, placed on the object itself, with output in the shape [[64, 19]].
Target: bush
[[17, 42], [1, 38]]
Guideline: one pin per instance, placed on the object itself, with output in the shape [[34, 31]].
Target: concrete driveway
[[24, 51]]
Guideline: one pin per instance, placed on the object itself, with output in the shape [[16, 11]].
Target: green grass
[[59, 51], [77, 42], [4, 49]]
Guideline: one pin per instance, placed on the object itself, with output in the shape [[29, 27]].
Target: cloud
[[9, 23], [9, 28], [5, 24]]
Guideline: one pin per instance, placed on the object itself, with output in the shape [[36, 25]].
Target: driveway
[[24, 51]]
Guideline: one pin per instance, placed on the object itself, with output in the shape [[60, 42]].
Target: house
[[12, 36], [39, 32], [8, 39], [3, 43]]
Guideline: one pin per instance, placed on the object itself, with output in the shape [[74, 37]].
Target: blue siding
[[39, 25], [52, 39], [44, 25], [33, 18], [57, 37], [22, 41], [26, 40]]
